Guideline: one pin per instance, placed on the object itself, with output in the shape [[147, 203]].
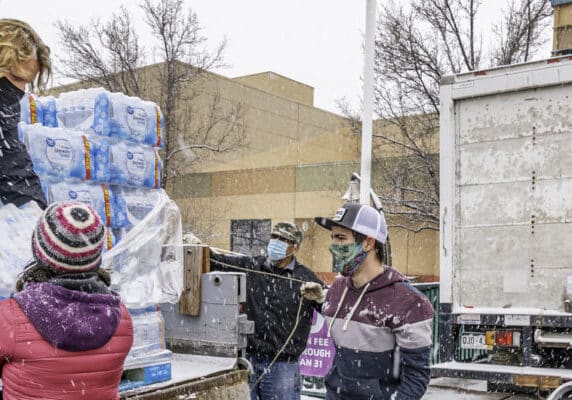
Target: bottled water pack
[[112, 114], [92, 135], [134, 165], [137, 202], [60, 152], [148, 331], [99, 196]]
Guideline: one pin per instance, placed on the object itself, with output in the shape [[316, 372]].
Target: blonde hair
[[18, 44]]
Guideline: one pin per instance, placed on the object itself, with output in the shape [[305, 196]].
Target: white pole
[[367, 103]]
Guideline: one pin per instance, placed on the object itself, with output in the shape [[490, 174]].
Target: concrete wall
[[279, 85]]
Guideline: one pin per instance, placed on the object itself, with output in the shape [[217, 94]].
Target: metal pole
[[367, 102]]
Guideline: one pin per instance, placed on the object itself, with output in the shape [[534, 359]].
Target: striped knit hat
[[69, 238]]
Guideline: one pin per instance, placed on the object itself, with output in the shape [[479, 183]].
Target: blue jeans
[[281, 382]]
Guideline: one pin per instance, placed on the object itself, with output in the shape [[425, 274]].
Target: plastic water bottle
[[110, 240], [49, 111], [102, 159], [31, 110]]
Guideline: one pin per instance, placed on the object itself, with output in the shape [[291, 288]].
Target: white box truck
[[506, 225]]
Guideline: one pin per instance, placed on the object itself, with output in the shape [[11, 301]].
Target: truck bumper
[[542, 378]]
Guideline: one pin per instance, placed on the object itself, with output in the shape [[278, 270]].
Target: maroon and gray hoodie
[[382, 334]]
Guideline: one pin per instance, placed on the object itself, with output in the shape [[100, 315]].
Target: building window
[[250, 236]]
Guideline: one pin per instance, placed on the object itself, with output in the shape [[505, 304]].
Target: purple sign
[[318, 357]]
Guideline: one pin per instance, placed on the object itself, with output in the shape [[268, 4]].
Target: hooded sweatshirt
[[18, 182], [60, 343], [382, 335]]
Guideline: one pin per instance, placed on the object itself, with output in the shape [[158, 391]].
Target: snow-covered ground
[[434, 393], [454, 389]]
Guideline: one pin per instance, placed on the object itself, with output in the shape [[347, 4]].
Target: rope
[[267, 369], [258, 272], [234, 266]]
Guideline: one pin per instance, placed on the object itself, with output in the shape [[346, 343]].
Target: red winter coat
[[33, 368]]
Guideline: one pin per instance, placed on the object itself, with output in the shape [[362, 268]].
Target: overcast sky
[[317, 42]]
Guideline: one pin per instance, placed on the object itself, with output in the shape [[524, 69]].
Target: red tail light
[[504, 338]]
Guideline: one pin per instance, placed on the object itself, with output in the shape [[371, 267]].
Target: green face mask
[[347, 257]]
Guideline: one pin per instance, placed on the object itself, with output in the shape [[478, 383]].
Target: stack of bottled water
[[101, 148], [149, 346], [98, 147]]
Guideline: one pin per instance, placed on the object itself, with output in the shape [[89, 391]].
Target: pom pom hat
[[69, 238]]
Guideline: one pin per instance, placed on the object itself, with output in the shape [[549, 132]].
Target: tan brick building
[[295, 165]]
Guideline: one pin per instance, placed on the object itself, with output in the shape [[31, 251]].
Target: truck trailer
[[506, 225]]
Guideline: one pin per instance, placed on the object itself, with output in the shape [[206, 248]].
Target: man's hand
[[313, 291]]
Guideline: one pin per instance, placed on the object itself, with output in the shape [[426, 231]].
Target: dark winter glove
[[313, 291]]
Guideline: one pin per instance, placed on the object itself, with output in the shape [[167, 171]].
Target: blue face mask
[[277, 249], [347, 257]]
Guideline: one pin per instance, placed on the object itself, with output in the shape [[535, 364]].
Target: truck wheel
[[563, 392]]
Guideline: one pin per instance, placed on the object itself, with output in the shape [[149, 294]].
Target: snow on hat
[[69, 238], [288, 231], [360, 218]]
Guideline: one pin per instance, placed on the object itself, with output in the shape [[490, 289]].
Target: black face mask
[[10, 92]]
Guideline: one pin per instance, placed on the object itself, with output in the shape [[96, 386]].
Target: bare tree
[[516, 32], [415, 47], [210, 128], [110, 55], [102, 54]]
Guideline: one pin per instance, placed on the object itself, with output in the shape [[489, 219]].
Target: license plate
[[474, 341]]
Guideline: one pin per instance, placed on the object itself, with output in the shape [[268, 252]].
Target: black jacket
[[272, 303], [18, 182]]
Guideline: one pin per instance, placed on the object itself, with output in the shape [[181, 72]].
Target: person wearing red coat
[[64, 335]]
